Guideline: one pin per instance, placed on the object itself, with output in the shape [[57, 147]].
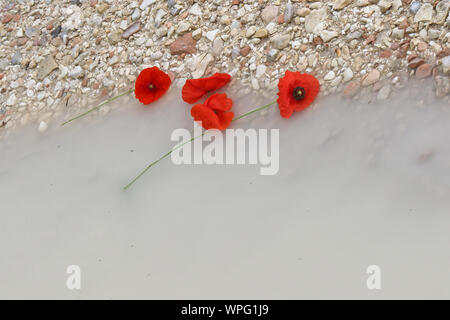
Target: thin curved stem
[[192, 139], [98, 106]]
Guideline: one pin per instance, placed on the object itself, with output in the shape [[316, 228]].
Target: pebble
[[42, 126], [12, 100], [16, 58], [384, 92], [415, 62], [415, 6], [341, 4], [288, 12], [348, 74], [446, 64], [45, 67], [329, 76], [314, 19], [269, 13], [184, 44], [132, 29], [424, 14], [327, 35], [203, 62], [260, 71], [76, 72], [280, 41], [352, 88], [196, 10], [424, 71], [146, 3], [371, 78], [211, 35]]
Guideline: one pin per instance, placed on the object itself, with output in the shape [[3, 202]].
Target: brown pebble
[[184, 44], [280, 19], [7, 18], [414, 63], [84, 83], [104, 92], [96, 85], [351, 89], [1, 76], [424, 71], [22, 41], [235, 2], [422, 46], [385, 53], [404, 24], [245, 51], [371, 38]]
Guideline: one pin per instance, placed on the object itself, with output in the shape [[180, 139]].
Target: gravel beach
[[59, 57]]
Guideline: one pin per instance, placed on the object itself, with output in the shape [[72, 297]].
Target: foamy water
[[358, 185]]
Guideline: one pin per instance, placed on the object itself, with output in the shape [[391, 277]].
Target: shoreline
[[64, 58]]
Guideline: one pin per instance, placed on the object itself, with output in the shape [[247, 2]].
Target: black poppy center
[[151, 86], [298, 93]]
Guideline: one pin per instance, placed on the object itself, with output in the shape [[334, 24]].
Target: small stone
[[183, 27], [384, 92], [76, 72], [136, 14], [280, 41], [196, 10], [250, 31], [327, 35], [211, 35], [261, 33], [42, 126], [146, 3], [133, 28], [115, 37], [272, 55], [314, 19], [245, 51], [446, 64], [16, 58], [424, 71], [384, 5], [184, 44], [288, 12], [12, 100], [217, 47], [385, 53], [341, 4], [424, 14], [351, 89], [329, 76], [371, 78], [348, 74], [442, 9], [442, 84], [269, 13], [303, 12], [260, 71], [415, 62], [398, 33], [203, 62], [45, 67], [102, 7], [197, 34], [415, 6]]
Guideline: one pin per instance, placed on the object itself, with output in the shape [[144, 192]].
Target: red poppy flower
[[296, 92], [151, 84], [194, 89], [214, 112]]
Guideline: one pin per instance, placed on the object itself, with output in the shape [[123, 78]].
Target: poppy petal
[[151, 84], [219, 101], [210, 119], [194, 89]]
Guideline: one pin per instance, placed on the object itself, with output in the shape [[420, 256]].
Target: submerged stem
[[98, 106], [192, 139]]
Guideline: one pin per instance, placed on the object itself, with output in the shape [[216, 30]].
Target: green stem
[[98, 106], [192, 139]]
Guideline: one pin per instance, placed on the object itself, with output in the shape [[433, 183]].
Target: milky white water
[[358, 185]]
